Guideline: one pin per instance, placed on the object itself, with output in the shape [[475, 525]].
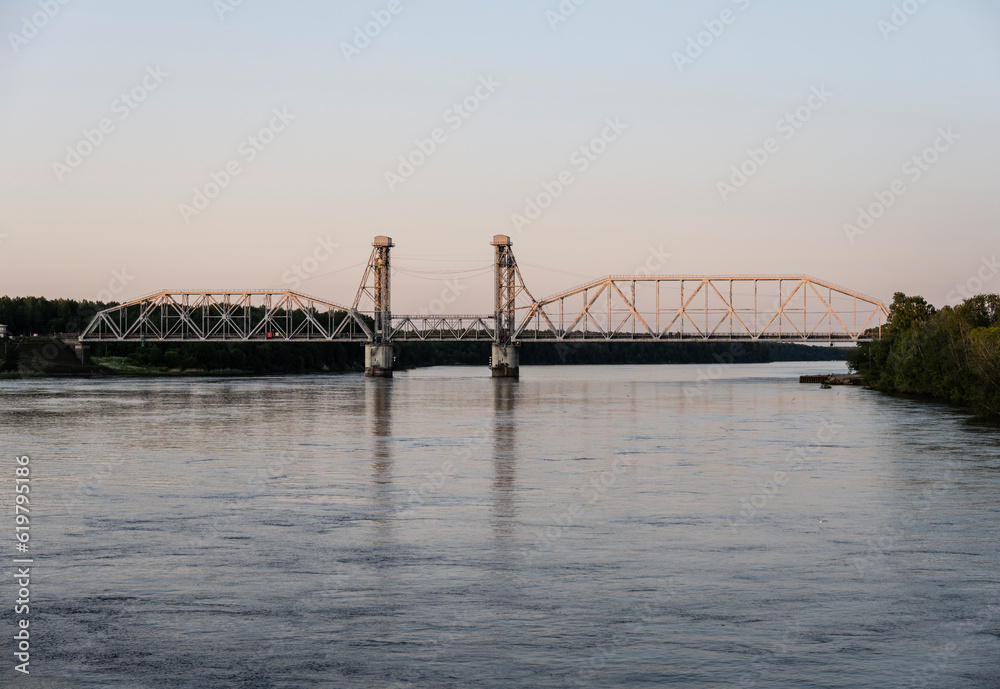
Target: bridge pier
[[82, 352], [506, 361], [378, 361]]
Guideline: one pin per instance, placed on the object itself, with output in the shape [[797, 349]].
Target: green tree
[[952, 354]]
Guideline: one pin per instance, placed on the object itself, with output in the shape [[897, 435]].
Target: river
[[602, 526]]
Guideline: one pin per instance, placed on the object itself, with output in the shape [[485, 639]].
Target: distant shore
[[51, 357]]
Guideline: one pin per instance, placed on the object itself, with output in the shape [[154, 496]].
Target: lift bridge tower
[[375, 286], [508, 286]]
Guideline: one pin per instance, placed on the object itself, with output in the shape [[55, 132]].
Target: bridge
[[634, 308]]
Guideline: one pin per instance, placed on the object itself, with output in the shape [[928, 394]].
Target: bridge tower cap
[[501, 240], [382, 240]]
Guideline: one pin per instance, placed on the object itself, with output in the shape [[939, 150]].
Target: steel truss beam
[[444, 328], [721, 307], [227, 316]]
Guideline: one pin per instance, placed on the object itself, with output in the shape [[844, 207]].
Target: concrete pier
[[505, 361], [82, 352], [378, 361]]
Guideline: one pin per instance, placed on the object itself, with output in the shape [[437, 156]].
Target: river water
[[585, 526]]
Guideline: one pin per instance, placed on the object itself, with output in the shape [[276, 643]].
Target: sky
[[226, 144]]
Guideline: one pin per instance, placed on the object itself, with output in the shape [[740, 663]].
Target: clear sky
[[867, 87]]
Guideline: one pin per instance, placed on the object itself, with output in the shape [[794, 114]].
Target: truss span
[[444, 328], [724, 307], [228, 316]]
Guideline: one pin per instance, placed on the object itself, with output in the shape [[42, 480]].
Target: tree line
[[38, 315], [950, 354]]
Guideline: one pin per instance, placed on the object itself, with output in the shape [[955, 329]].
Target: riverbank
[[52, 357]]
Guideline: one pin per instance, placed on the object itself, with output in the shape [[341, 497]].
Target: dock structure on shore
[[834, 379]]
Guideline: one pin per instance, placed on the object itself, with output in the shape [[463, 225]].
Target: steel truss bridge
[[655, 308]]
